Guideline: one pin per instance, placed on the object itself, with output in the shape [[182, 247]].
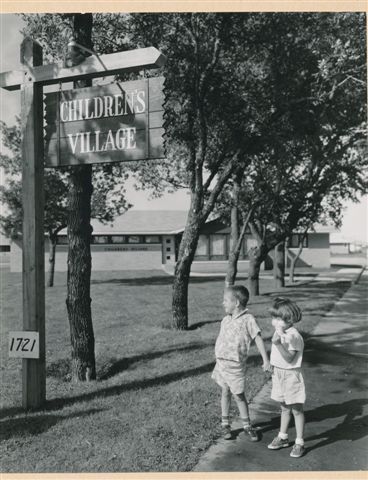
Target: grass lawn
[[154, 406]]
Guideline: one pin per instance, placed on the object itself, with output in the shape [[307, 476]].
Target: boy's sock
[[225, 421], [299, 441], [283, 436]]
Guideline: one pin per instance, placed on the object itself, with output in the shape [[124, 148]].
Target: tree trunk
[[292, 268], [232, 266], [293, 259], [79, 250], [52, 252], [256, 256], [279, 265], [187, 250]]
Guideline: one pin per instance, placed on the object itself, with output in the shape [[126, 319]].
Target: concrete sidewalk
[[336, 379]]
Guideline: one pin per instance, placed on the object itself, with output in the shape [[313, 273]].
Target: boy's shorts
[[288, 386], [229, 374]]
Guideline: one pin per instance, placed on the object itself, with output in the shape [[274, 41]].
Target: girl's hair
[[286, 309], [239, 292]]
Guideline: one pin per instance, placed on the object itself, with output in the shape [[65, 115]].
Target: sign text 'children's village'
[[106, 123]]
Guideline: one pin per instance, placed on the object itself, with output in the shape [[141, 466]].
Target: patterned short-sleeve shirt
[[236, 335]]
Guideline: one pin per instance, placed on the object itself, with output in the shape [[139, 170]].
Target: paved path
[[337, 406]]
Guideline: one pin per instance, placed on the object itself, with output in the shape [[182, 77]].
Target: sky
[[355, 218]]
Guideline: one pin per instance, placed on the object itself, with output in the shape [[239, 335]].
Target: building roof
[[161, 222], [149, 222]]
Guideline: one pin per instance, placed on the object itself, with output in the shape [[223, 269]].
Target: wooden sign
[[108, 123]]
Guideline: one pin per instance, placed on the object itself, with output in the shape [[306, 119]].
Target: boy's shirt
[[292, 341], [236, 335]]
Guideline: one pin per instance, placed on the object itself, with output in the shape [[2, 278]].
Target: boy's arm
[[262, 350], [288, 355]]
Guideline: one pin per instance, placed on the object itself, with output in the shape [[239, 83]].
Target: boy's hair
[[239, 292], [286, 309]]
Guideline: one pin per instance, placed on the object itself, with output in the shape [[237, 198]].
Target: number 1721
[[21, 344]]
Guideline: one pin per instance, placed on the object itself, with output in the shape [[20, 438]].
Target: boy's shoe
[[252, 433], [297, 451], [226, 432], [278, 443]]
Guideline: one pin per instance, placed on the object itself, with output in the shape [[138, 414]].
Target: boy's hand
[[266, 366]]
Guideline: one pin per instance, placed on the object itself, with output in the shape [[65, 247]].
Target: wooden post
[[34, 376]]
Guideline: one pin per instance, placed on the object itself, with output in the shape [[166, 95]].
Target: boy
[[287, 380], [238, 330]]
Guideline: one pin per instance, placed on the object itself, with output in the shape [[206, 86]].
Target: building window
[[4, 248], [168, 257], [218, 244], [295, 239], [62, 240], [202, 248], [118, 239], [134, 239], [100, 239], [168, 249], [168, 240], [153, 239]]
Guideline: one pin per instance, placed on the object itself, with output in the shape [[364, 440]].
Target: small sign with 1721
[[24, 344]]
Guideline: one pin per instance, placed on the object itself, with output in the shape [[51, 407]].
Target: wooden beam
[[33, 372], [92, 67]]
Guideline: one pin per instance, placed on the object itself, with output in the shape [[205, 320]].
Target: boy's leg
[[282, 439], [225, 411], [243, 408], [299, 418]]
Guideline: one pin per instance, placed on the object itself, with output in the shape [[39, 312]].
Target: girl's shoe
[[226, 432], [278, 443], [297, 451], [251, 433]]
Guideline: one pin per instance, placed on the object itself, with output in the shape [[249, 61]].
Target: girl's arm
[[287, 355], [262, 350]]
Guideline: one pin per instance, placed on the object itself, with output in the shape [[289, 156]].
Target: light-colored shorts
[[288, 386], [229, 374]]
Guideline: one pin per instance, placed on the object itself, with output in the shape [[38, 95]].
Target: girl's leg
[[282, 440], [285, 419], [299, 419]]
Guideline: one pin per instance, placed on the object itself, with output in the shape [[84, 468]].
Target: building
[[341, 245], [145, 240]]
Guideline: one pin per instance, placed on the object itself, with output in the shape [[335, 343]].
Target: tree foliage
[[312, 158]]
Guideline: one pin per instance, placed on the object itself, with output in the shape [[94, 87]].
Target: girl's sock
[[283, 436], [299, 441]]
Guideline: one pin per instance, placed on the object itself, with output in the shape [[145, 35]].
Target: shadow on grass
[[194, 326], [154, 280], [59, 403], [37, 424], [311, 287], [114, 366], [61, 369], [166, 379]]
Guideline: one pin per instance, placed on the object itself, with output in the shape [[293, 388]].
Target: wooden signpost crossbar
[[92, 67], [30, 80]]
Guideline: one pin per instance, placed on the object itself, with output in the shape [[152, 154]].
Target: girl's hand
[[276, 338]]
